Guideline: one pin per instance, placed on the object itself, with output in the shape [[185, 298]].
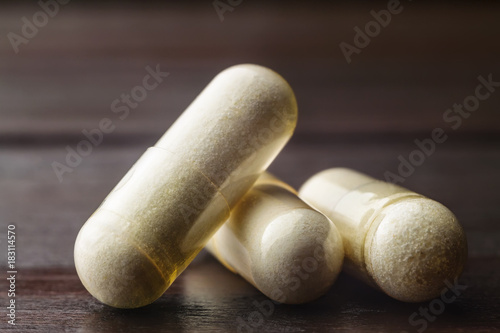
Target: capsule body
[[285, 248], [399, 241], [169, 204]]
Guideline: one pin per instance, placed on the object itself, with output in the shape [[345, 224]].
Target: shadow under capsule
[[204, 297], [208, 297]]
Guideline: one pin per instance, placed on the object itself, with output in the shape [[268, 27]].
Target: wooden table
[[362, 115]]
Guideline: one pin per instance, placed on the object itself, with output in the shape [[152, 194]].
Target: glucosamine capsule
[[286, 249], [405, 244], [169, 204]]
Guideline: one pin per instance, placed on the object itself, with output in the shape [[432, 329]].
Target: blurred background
[[363, 101]]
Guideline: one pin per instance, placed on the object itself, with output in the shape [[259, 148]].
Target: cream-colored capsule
[[181, 191], [407, 245], [286, 249]]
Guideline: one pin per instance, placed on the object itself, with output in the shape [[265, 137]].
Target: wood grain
[[362, 115], [65, 79], [209, 298]]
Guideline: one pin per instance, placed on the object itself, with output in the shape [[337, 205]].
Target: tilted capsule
[[169, 204]]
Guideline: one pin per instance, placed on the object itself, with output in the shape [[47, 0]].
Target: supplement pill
[[286, 249], [407, 245], [169, 204]]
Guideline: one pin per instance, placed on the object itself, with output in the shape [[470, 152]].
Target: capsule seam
[[371, 225], [209, 180]]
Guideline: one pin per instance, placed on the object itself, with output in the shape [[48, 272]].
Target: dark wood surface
[[361, 115], [209, 298]]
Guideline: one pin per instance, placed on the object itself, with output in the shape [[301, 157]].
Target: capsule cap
[[299, 258], [113, 268], [413, 248]]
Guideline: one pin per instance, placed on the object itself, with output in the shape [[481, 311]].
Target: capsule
[[286, 249], [176, 196], [407, 245]]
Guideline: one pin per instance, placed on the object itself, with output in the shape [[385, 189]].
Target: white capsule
[[407, 245], [278, 243], [181, 191]]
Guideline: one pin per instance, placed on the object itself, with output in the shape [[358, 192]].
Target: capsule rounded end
[[416, 250], [270, 93], [114, 270], [301, 254]]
